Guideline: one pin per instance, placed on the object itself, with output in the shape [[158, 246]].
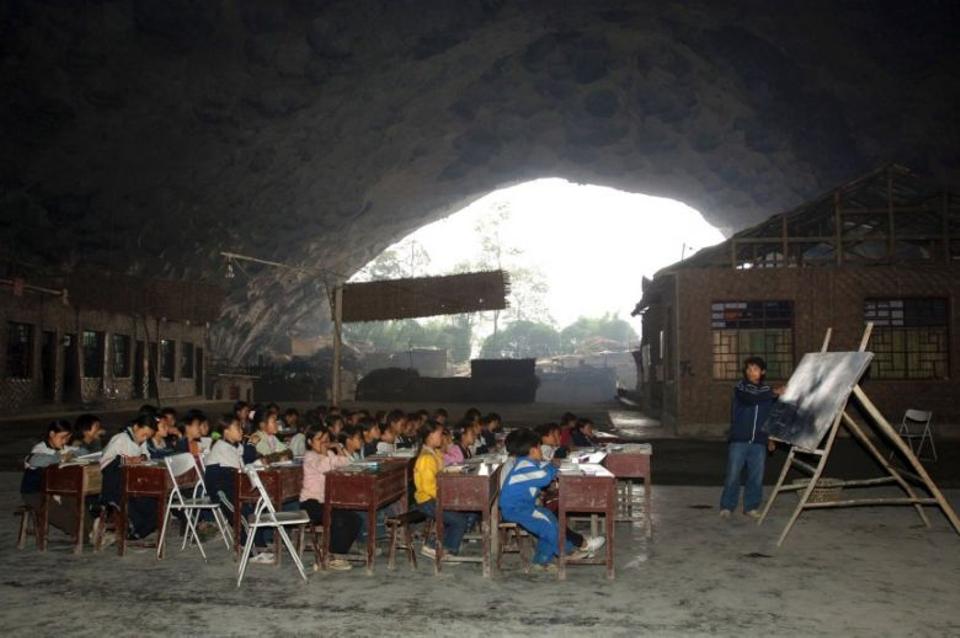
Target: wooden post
[[337, 344], [838, 229]]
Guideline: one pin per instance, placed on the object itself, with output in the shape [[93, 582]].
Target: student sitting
[[396, 421], [582, 434], [371, 436], [567, 423], [428, 465], [227, 457], [265, 438], [489, 426], [291, 421], [334, 424], [167, 419], [518, 500], [298, 442], [387, 444], [478, 447], [189, 440], [351, 440], [344, 524], [87, 433], [62, 509], [459, 449], [441, 416], [157, 445], [129, 448], [550, 442]]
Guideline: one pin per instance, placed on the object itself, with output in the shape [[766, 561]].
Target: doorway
[[71, 372], [48, 365], [138, 365], [199, 390]]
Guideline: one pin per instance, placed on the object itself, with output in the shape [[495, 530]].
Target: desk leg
[[81, 504], [122, 523], [43, 523], [561, 543], [485, 540], [647, 500], [327, 517], [371, 536], [610, 526]]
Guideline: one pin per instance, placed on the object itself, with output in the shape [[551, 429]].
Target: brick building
[[97, 337], [883, 248]]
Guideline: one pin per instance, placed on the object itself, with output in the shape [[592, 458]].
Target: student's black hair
[[350, 431], [194, 415], [273, 406], [413, 416], [333, 418], [226, 421], [471, 414], [57, 426], [313, 433], [521, 441], [493, 417], [164, 412], [291, 412], [582, 423], [380, 416], [426, 430], [567, 418], [755, 361], [423, 413], [440, 412], [239, 405], [368, 424], [546, 428], [262, 416], [143, 420], [85, 422], [395, 415]]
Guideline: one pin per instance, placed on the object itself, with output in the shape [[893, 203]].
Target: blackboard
[[816, 393]]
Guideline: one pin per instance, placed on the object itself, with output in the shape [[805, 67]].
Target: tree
[[591, 334], [407, 258], [521, 339]]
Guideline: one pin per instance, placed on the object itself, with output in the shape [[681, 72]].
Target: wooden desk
[[629, 463], [75, 481], [469, 491], [148, 480], [363, 490], [587, 494], [282, 483]]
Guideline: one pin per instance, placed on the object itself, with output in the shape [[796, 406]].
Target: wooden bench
[[396, 525]]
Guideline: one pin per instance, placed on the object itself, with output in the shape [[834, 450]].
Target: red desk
[[364, 490], [587, 494], [150, 480], [468, 491], [629, 463], [282, 483], [74, 481]]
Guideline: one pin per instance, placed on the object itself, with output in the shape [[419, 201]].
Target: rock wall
[[148, 135]]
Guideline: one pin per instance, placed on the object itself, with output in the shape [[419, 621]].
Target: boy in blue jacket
[[523, 483], [748, 443]]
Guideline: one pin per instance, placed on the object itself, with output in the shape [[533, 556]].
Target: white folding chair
[[264, 515], [917, 425], [218, 516], [179, 465]]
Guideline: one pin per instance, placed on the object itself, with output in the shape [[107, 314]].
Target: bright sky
[[594, 244]]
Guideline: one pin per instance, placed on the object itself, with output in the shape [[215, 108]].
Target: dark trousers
[[344, 525]]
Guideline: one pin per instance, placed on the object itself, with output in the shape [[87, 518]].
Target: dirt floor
[[864, 572]]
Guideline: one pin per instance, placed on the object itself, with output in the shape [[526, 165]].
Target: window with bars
[[186, 360], [752, 328], [92, 353], [168, 358], [120, 351], [910, 339], [19, 350]]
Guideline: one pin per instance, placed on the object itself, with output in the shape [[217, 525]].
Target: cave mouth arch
[[572, 251]]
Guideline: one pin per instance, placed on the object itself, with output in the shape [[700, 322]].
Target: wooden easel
[[894, 475]]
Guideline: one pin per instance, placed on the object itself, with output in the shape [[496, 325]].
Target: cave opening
[[575, 255]]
